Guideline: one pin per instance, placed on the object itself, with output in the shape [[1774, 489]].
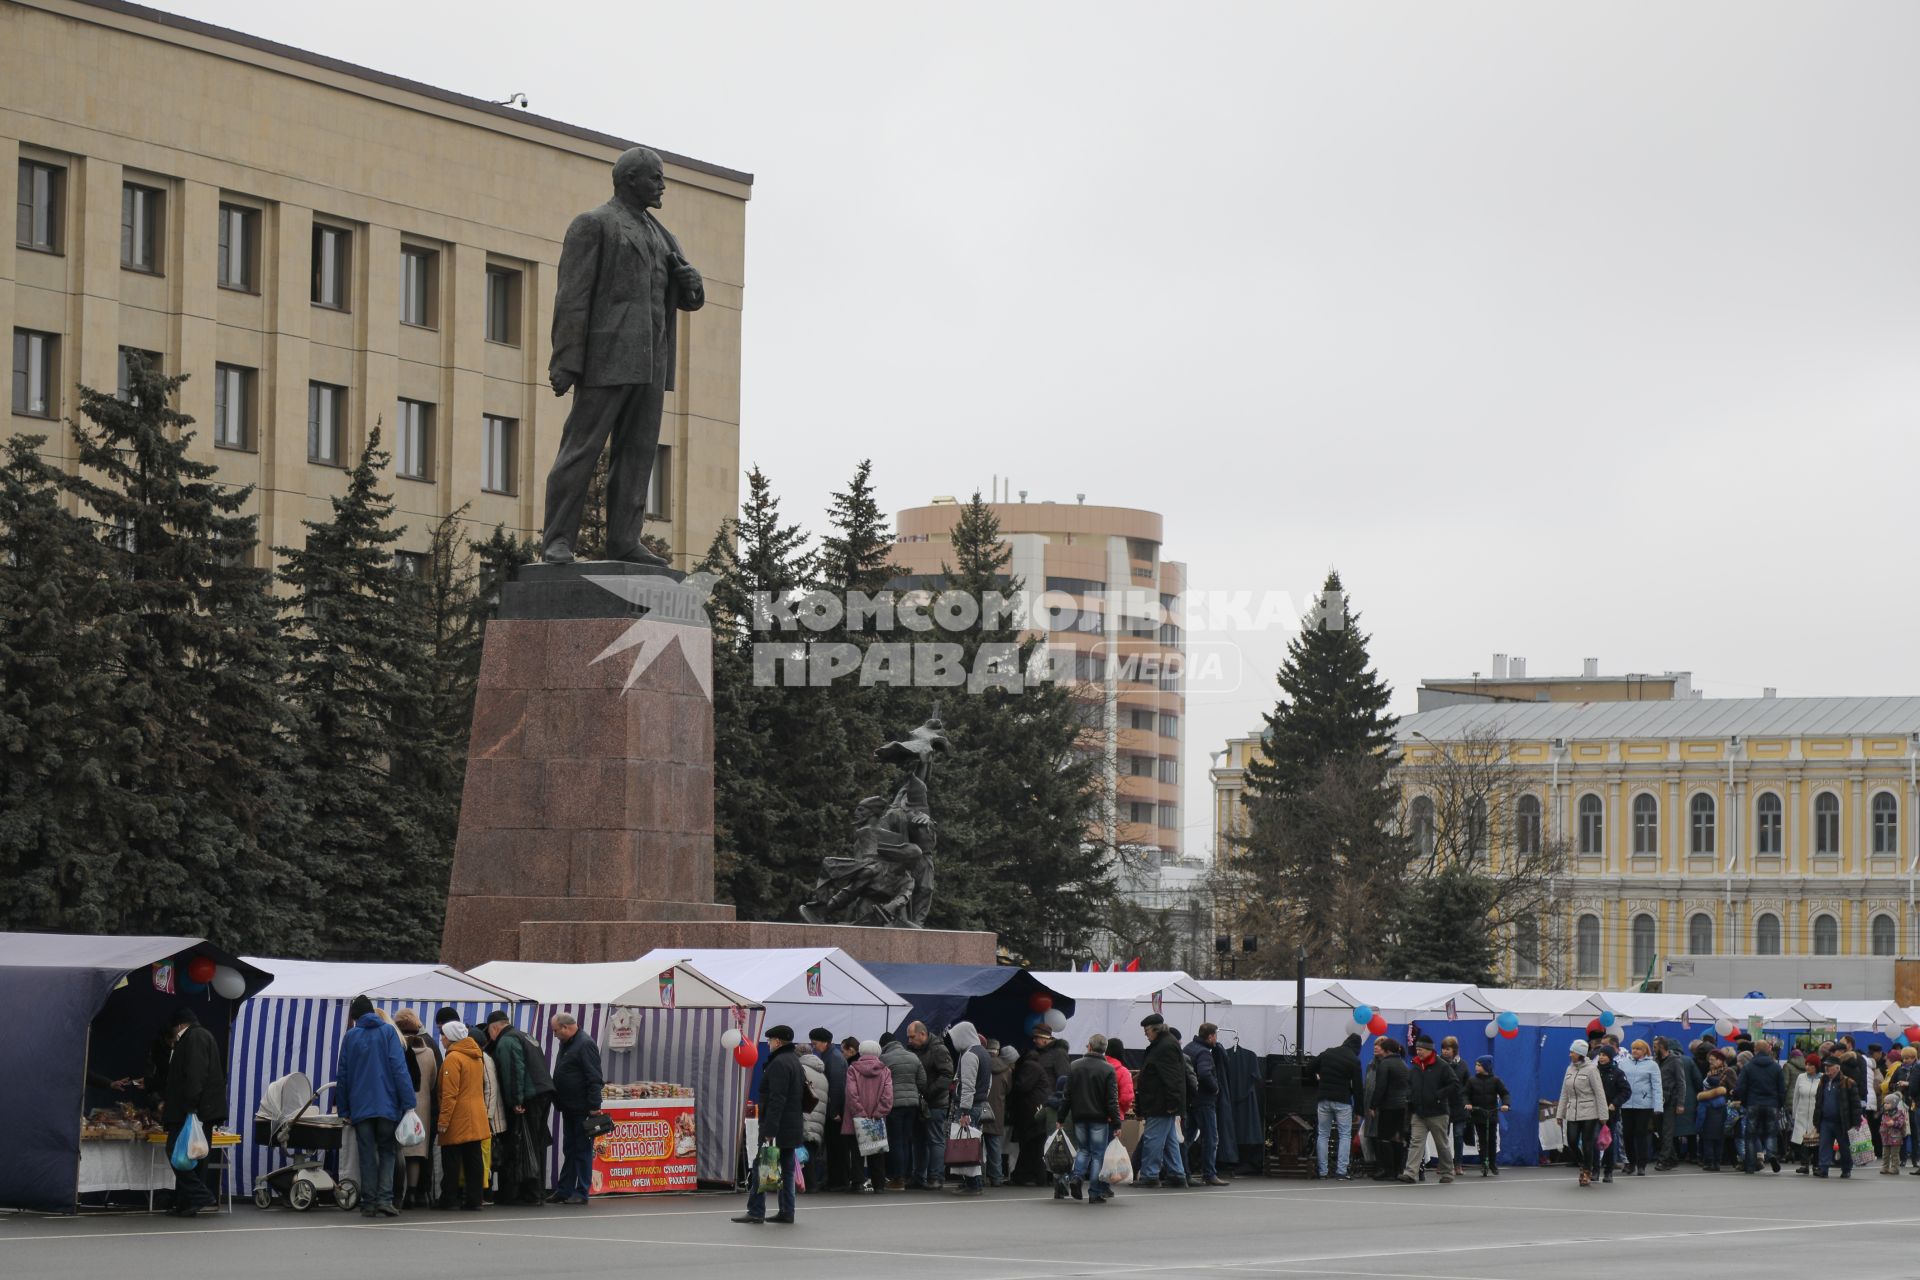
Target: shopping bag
[[1132, 1129], [767, 1168], [966, 1145], [410, 1132], [1059, 1153], [1861, 1140], [182, 1157], [197, 1145], [1606, 1136], [871, 1131], [1116, 1167]]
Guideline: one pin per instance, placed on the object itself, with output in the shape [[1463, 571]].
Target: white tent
[[1263, 1019], [1547, 1008], [1859, 1015], [1114, 1003], [1774, 1012], [1400, 1001], [803, 987], [1660, 1006], [629, 984]]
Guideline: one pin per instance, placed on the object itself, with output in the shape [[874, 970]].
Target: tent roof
[[1131, 986], [958, 979], [117, 956], [322, 979], [1322, 993], [1660, 1006], [1777, 1012], [1421, 997], [768, 973], [632, 983], [1857, 1015], [1551, 1004]]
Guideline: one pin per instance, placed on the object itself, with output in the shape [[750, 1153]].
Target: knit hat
[[360, 1008], [1485, 1060], [447, 1014], [871, 1048], [455, 1031], [1009, 1054], [1578, 1048]]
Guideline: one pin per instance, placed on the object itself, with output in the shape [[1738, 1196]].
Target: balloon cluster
[[1374, 1021], [1505, 1025], [1911, 1036], [1726, 1029], [204, 971]]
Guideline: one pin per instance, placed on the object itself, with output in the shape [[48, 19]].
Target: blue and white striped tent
[[297, 1025]]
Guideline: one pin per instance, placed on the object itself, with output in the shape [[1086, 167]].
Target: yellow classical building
[[324, 247]]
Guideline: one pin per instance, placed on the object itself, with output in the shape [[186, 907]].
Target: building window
[[1138, 719], [232, 406], [1526, 947], [332, 260], [36, 373], [1526, 825], [1885, 936], [659, 485], [1593, 827], [419, 269], [130, 357], [1586, 947], [1643, 943], [1422, 825], [497, 454], [239, 247], [1826, 823], [1140, 811], [1477, 825], [38, 208], [1766, 811], [1646, 824], [140, 238], [1700, 824], [1700, 935], [1169, 769], [1169, 815], [1169, 725], [410, 564], [503, 306], [1766, 935], [1140, 766], [1886, 823], [1170, 634], [413, 443], [1826, 936], [326, 418]]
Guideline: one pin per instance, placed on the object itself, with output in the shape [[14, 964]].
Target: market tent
[[682, 1011], [1882, 1016], [1547, 1008], [1401, 1001], [300, 1023], [1660, 1006], [997, 999], [56, 986], [1776, 1012], [1114, 1003], [802, 987], [1262, 1017]]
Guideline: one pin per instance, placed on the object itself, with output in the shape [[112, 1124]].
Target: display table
[[139, 1163], [651, 1148]]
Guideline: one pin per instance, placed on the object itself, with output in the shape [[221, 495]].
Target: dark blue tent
[[55, 986], [996, 999]]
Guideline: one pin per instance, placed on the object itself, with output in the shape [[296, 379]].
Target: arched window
[[1826, 936], [1826, 823], [1586, 950], [1700, 823], [1886, 824], [1766, 935], [1526, 825], [1700, 935], [1643, 943], [1526, 947], [1766, 823], [1593, 825], [1885, 936], [1423, 825], [1477, 825], [1646, 824]]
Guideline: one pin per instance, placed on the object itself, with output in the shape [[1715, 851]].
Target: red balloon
[[1039, 1002], [746, 1053], [201, 968], [1378, 1026], [1913, 1035], [1509, 1033], [1596, 1027]]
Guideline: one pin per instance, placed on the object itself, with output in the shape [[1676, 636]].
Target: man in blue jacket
[[1761, 1089], [374, 1093], [1208, 1070], [839, 1172]]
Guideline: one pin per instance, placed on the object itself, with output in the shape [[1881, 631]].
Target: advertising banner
[[651, 1147]]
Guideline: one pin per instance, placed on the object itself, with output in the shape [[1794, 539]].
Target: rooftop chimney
[[1769, 692], [1590, 667], [1517, 668], [1499, 668]]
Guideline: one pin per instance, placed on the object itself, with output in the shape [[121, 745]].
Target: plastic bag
[[871, 1131], [182, 1157], [410, 1132], [1059, 1153], [1606, 1136], [768, 1168], [1861, 1140], [1116, 1167], [197, 1145]]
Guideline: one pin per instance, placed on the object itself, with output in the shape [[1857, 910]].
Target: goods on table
[[645, 1089], [124, 1122]]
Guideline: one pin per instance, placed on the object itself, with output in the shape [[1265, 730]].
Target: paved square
[[1525, 1224]]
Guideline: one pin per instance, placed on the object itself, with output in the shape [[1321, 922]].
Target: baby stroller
[[286, 1119]]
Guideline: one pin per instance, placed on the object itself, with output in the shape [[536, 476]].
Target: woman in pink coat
[[869, 1097]]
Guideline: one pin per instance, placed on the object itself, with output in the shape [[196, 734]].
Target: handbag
[[966, 1145], [871, 1132], [598, 1124]]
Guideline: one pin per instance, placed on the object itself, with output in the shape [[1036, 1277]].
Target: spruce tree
[[1440, 930], [854, 564]]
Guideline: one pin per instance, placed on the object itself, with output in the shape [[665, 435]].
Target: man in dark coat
[[1337, 1071], [577, 1083], [1092, 1107], [1161, 1099], [1034, 1078], [1762, 1091], [929, 1168], [1432, 1088], [526, 1091], [1677, 1100], [838, 1171], [1836, 1110], [196, 1085], [1209, 1071], [783, 1123]]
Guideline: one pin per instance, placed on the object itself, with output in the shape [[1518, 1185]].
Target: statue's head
[[639, 178]]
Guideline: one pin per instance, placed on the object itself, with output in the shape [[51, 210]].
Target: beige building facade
[[324, 248]]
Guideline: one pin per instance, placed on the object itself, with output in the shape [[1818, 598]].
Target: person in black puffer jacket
[[1619, 1089], [1486, 1098], [1387, 1086], [1337, 1071], [1431, 1093]]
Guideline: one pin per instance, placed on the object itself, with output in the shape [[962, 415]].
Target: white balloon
[[1055, 1019], [1493, 1029], [730, 1038], [228, 982]]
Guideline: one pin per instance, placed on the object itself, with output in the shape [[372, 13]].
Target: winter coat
[[1093, 1090], [1618, 1090], [815, 1077], [426, 1094], [1206, 1078], [1583, 1095], [1391, 1081], [1034, 1078], [577, 1081], [373, 1083], [196, 1080], [972, 1069], [1462, 1072], [938, 1061], [1125, 1078], [909, 1075], [1432, 1087], [1338, 1071], [995, 1121], [1761, 1083], [1805, 1090], [1487, 1093], [1163, 1079], [869, 1091], [835, 1063], [784, 1120], [490, 1091], [1645, 1089], [1675, 1092], [1849, 1103], [463, 1101], [522, 1068], [1854, 1068]]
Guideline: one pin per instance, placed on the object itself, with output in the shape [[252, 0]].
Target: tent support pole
[[1300, 1006]]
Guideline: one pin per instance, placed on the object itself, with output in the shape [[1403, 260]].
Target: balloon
[[1724, 1028], [192, 988], [1363, 1014], [1606, 1017], [1032, 1021], [1913, 1035], [1756, 995], [1510, 1033], [1377, 1024], [1493, 1029], [1595, 1027], [730, 1038], [1508, 1020], [228, 982], [1039, 1002], [1056, 1021], [201, 968], [1900, 1041], [746, 1054]]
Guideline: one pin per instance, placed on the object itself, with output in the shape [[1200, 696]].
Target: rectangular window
[[232, 406], [497, 454], [418, 269], [326, 420], [1169, 815], [239, 247], [38, 207], [36, 373], [1140, 766], [413, 443], [140, 214], [1169, 769], [1138, 719], [332, 257], [123, 381], [1169, 725], [1139, 811], [503, 306], [659, 486], [410, 564]]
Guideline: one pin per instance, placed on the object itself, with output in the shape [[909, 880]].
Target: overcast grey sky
[[1562, 330]]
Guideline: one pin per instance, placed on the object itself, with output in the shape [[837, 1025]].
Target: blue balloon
[[1900, 1041], [1756, 995], [1033, 1020], [1363, 1014], [1509, 1021], [1606, 1017]]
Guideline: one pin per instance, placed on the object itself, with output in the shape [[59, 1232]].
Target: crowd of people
[[962, 1113]]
